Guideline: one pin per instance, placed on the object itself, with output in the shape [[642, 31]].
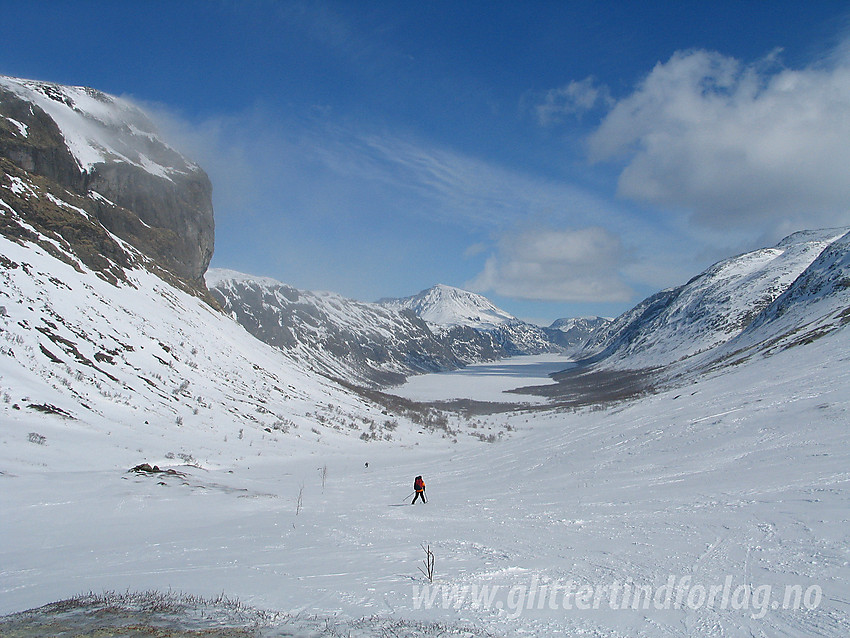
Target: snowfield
[[736, 485]]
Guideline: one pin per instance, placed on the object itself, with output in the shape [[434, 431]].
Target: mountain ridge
[[51, 136], [711, 309], [378, 344]]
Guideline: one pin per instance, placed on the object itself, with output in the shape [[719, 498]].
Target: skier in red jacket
[[419, 488]]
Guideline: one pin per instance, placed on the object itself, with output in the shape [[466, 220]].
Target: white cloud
[[748, 146], [556, 265], [574, 98]]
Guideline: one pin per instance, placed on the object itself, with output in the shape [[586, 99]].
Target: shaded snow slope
[[709, 310]]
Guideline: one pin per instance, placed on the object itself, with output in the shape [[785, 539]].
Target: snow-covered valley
[[741, 478]]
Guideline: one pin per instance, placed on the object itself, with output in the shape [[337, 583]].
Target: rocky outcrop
[[107, 153]]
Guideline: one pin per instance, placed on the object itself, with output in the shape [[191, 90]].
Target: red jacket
[[419, 485]]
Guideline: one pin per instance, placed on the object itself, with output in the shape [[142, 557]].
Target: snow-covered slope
[[815, 305], [141, 369], [447, 306], [101, 349], [711, 309], [818, 293], [367, 343], [737, 486]]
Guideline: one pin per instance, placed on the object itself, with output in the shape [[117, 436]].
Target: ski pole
[[409, 495]]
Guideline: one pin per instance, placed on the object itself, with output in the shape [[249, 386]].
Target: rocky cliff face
[[106, 152]]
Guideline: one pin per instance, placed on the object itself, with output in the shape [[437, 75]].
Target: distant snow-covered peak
[[449, 306], [100, 128]]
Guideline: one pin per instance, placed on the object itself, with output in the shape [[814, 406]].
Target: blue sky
[[562, 158]]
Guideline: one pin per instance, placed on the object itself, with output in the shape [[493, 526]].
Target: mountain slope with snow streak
[[447, 308], [374, 344], [99, 128], [711, 309], [146, 369], [815, 305]]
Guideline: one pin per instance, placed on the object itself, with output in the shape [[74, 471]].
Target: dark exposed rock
[[42, 150], [47, 408], [147, 468]]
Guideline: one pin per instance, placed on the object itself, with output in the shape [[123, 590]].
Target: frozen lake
[[486, 381]]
